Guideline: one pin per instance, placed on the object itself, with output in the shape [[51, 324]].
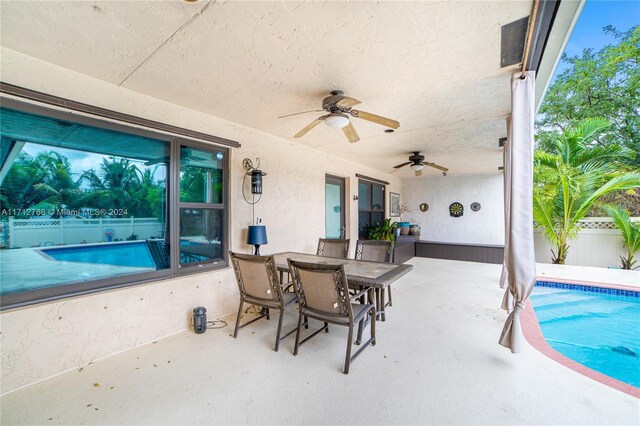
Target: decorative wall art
[[394, 204], [424, 207], [475, 206], [456, 209]]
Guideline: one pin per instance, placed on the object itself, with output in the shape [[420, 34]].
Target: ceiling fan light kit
[[339, 108], [416, 163], [336, 120]]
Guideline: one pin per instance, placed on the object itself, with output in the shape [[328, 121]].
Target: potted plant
[[630, 233], [383, 230]]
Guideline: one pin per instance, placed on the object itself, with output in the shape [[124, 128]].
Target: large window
[[87, 206], [370, 206]]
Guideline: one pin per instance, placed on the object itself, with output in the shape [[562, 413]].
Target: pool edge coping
[[533, 333]]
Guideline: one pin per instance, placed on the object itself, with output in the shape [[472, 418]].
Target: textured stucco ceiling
[[433, 66]]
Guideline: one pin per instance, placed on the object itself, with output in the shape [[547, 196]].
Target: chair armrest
[[359, 294], [287, 286]]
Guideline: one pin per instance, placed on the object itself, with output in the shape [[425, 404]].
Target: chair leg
[[373, 327], [326, 327], [279, 330], [297, 345], [390, 299], [360, 326], [347, 360], [235, 332], [306, 322]]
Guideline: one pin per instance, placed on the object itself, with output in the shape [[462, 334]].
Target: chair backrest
[[322, 289], [159, 250], [374, 250], [257, 276], [333, 248]]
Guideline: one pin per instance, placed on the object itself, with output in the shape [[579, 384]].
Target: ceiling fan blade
[[435, 166], [418, 172], [350, 133], [310, 126], [393, 124], [303, 112], [402, 165], [348, 102]]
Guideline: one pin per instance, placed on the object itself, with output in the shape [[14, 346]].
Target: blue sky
[[596, 15]]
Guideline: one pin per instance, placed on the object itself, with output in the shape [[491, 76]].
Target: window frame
[[371, 210], [36, 296], [176, 205]]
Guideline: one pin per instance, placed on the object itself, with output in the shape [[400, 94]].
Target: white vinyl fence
[[37, 232], [599, 244]]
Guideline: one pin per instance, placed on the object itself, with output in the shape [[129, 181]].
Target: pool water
[[120, 254], [598, 330]]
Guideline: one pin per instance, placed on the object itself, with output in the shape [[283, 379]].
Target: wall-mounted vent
[[512, 39]]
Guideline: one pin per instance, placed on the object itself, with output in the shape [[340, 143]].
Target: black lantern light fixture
[[257, 235]]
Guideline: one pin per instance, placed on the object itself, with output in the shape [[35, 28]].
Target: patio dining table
[[376, 276]]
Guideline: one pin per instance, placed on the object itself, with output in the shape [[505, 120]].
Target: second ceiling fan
[[339, 108], [417, 164]]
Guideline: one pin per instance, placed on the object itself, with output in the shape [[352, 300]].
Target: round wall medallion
[[475, 206], [456, 209], [424, 207]]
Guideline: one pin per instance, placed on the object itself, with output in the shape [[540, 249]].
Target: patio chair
[[259, 285], [333, 248], [376, 251], [323, 294], [159, 250]]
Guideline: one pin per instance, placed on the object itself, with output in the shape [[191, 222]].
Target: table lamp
[[257, 237]]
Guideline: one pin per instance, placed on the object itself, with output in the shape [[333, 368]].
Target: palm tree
[[119, 178], [630, 233], [578, 174], [41, 182]]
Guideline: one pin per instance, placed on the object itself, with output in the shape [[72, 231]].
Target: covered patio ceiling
[[433, 66]]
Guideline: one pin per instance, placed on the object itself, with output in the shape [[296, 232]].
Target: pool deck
[[437, 361], [595, 276]]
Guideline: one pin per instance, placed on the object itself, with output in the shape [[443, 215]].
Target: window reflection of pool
[[134, 253]]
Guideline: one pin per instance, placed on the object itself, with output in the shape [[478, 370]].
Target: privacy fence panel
[[598, 244]]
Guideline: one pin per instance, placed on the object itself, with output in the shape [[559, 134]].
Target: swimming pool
[[133, 253], [597, 327]]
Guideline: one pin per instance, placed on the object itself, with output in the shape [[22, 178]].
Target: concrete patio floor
[[437, 361]]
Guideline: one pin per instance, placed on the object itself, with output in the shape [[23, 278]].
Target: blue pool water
[[600, 330], [121, 254]]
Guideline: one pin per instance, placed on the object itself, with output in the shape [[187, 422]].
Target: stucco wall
[[485, 226], [43, 340]]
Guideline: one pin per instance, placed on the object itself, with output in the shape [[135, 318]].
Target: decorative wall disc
[[475, 206], [456, 209], [424, 207]]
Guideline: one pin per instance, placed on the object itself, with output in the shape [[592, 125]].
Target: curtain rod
[[527, 47], [374, 180]]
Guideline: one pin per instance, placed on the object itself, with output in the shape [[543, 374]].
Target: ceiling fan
[[417, 164], [339, 108]]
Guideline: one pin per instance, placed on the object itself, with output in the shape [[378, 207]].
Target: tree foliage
[[630, 233], [604, 84], [45, 182], [577, 175]]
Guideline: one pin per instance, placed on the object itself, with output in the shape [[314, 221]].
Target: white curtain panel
[[506, 185], [520, 254]]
